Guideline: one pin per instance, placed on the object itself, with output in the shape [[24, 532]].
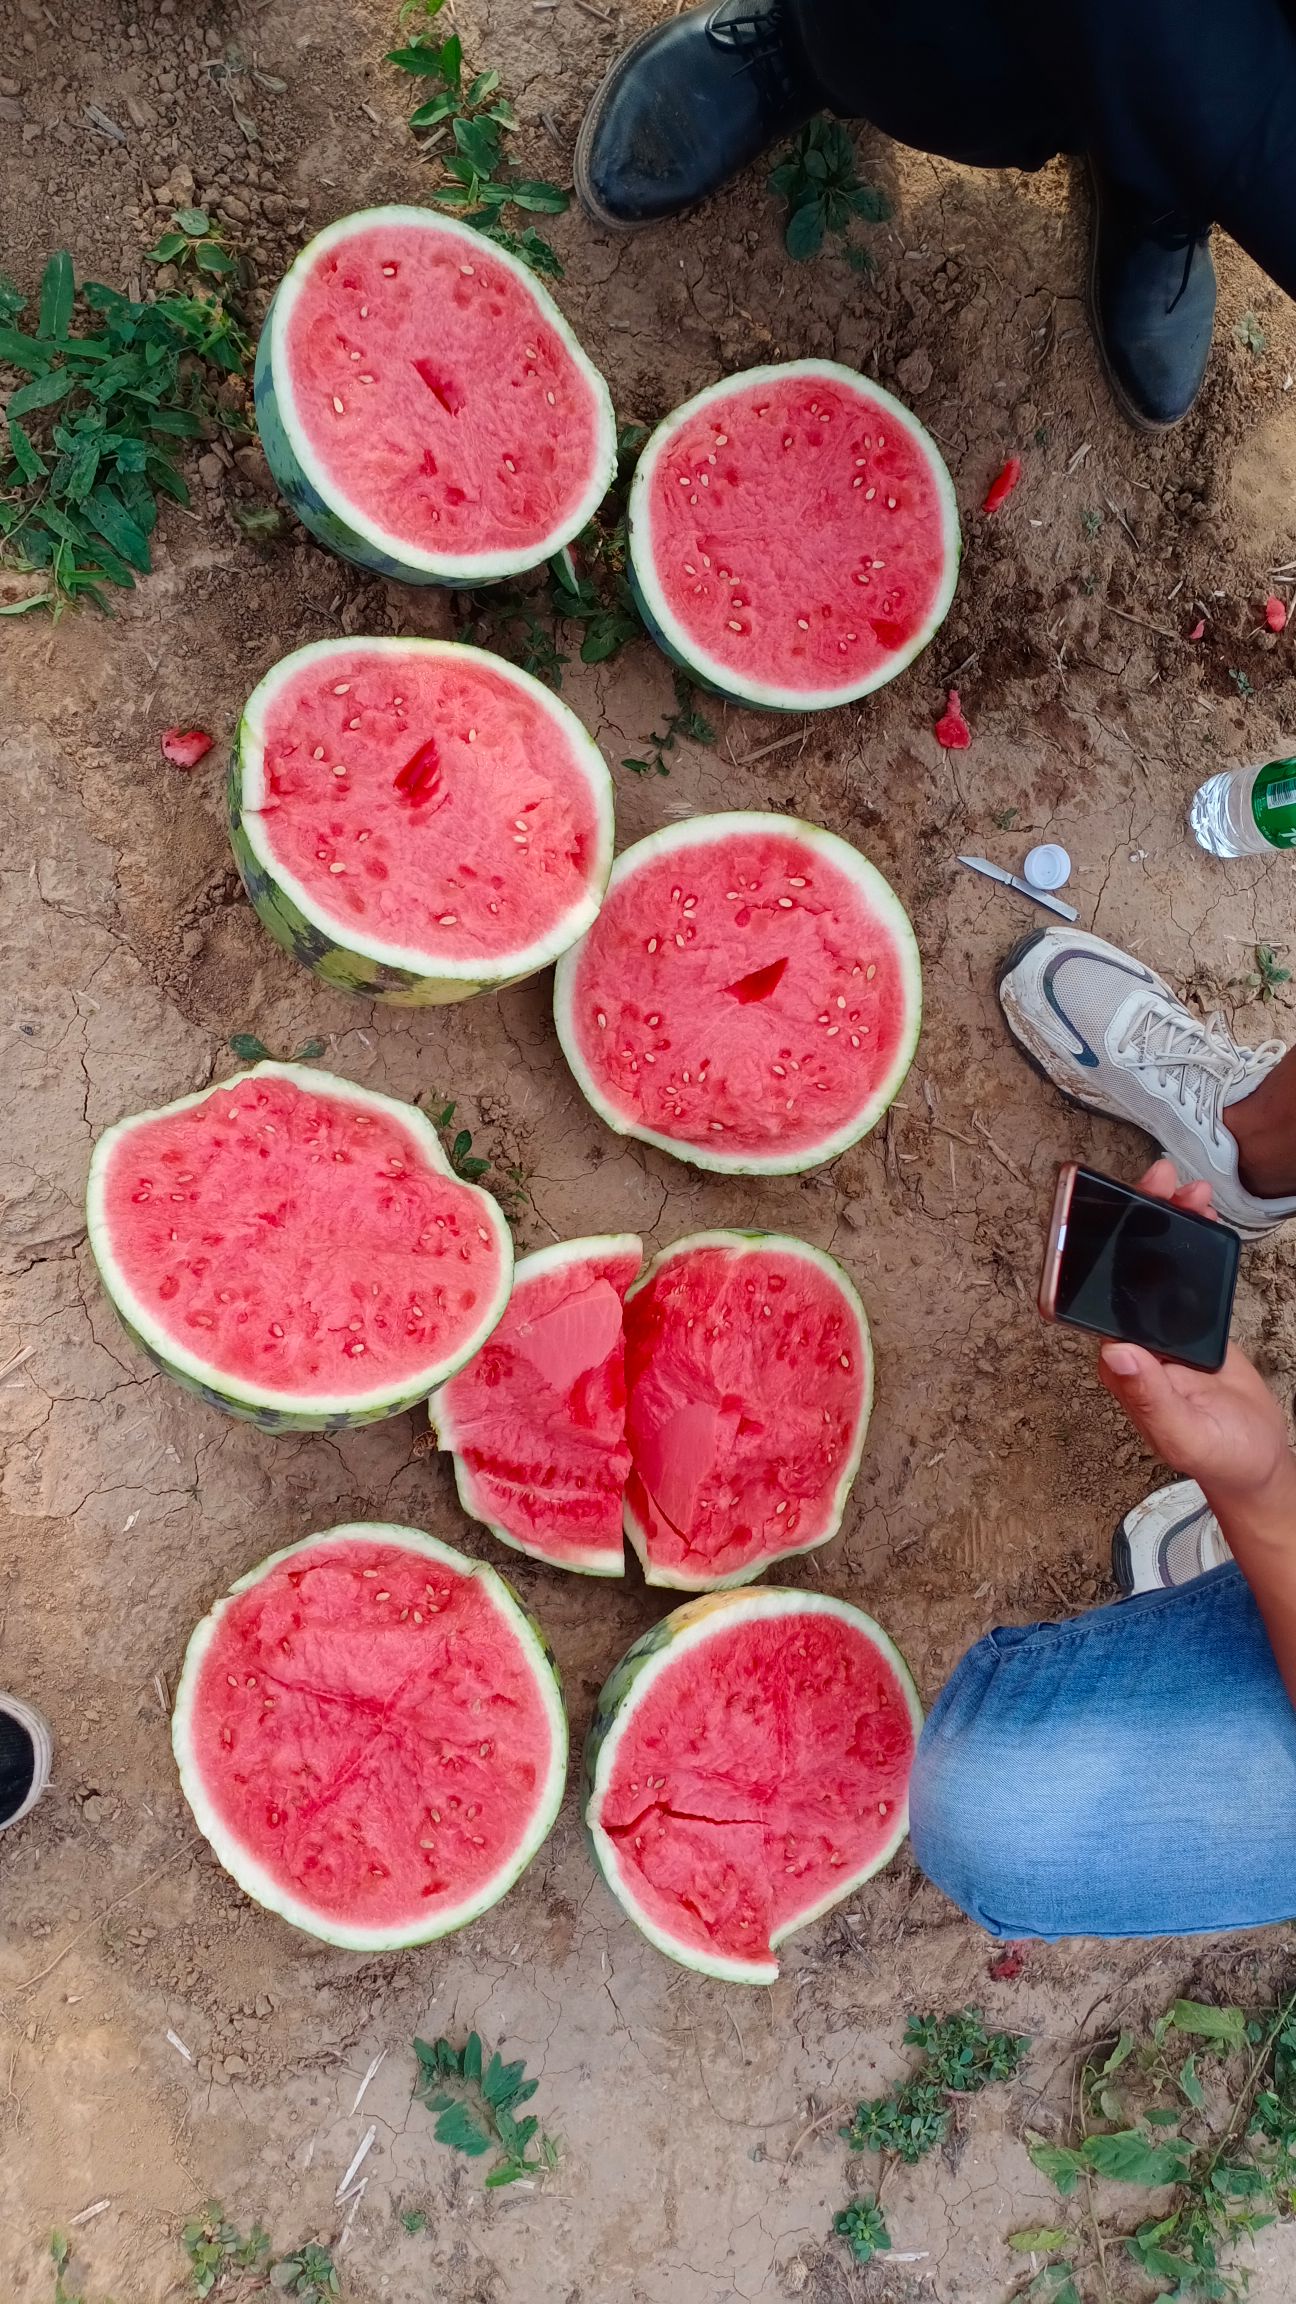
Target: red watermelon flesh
[[428, 799], [297, 1239], [437, 398], [747, 997], [368, 1735], [536, 1420], [798, 529], [761, 1774], [749, 1374]]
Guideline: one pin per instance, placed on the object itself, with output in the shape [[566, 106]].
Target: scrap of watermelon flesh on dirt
[[1276, 613], [952, 731], [185, 747], [1002, 486]]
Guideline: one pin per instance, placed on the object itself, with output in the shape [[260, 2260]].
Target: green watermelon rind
[[763, 1243], [699, 831], [541, 1260], [706, 670], [272, 1410], [399, 976], [684, 1629], [245, 1869], [345, 528]]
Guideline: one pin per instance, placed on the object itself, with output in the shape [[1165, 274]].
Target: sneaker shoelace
[[1198, 1061]]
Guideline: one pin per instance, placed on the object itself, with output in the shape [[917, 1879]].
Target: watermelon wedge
[[417, 821], [794, 537], [748, 998], [749, 1371], [748, 1768], [370, 1733], [423, 404], [294, 1249], [536, 1421]]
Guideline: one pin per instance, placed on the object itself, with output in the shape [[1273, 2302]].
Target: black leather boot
[[687, 106], [1152, 303]]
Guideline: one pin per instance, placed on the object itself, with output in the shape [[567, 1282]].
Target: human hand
[[1223, 1430]]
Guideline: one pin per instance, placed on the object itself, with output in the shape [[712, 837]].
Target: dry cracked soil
[[699, 2122]]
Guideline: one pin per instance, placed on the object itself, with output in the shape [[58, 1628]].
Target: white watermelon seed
[[363, 379], [871, 970], [891, 503], [339, 770], [338, 408], [353, 355], [733, 626], [318, 752], [602, 1021], [468, 270], [447, 920], [337, 867], [389, 271], [869, 495], [803, 624]]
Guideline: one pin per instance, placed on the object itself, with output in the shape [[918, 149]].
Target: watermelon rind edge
[[685, 1628], [699, 831], [759, 1243], [540, 1260], [400, 975], [660, 618], [317, 500], [245, 1869], [273, 1410]]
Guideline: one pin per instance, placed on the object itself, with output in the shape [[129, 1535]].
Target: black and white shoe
[[26, 1757], [1168, 1539]]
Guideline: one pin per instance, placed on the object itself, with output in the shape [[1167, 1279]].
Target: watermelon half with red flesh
[[423, 404], [295, 1249], [536, 1421], [748, 998], [749, 1375], [748, 1768], [417, 821], [794, 536], [370, 1733]]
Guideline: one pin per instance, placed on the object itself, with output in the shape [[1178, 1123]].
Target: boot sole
[[38, 1728], [1133, 414], [585, 192]]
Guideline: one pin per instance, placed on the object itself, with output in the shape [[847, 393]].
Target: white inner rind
[[140, 1315], [465, 567], [425, 960], [252, 1876], [881, 898], [698, 1622], [766, 1244], [716, 669]]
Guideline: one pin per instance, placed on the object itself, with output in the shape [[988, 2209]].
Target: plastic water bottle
[[1246, 811]]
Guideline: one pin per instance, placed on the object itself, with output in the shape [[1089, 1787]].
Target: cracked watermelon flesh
[[749, 1371], [296, 1249], [418, 820], [370, 1733], [748, 1768], [794, 536], [748, 998], [425, 406], [537, 1420]]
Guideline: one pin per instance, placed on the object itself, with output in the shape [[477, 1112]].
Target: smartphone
[[1122, 1265]]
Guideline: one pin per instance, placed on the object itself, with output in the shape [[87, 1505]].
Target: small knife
[[1023, 887]]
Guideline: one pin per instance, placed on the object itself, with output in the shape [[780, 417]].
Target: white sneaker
[[1113, 1036], [26, 1757], [1168, 1539]]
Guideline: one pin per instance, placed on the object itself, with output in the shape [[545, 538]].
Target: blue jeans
[[1131, 1773]]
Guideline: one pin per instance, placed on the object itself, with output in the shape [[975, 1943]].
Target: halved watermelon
[[749, 1373], [748, 998], [794, 537], [423, 404], [748, 1768], [415, 820], [537, 1420], [370, 1733], [294, 1249]]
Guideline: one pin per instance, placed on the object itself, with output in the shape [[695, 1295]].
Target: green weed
[[958, 2058], [250, 1050], [685, 720], [862, 2227], [818, 178], [477, 2106], [1250, 335]]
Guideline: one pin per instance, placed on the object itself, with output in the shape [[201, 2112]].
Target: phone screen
[[1145, 1272]]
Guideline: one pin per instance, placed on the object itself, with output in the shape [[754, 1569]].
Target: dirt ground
[[699, 2121]]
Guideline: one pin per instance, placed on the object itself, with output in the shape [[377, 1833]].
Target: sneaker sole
[[1133, 414], [1122, 1561], [38, 1728], [585, 192]]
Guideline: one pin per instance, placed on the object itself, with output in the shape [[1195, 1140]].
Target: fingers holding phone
[[1149, 1267]]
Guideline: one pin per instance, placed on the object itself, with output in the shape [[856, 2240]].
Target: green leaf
[[18, 351], [216, 260], [479, 142], [1239, 2180], [42, 392], [109, 518], [24, 607], [471, 2061], [57, 295], [1042, 2239], [869, 203], [1058, 2162], [804, 236], [1208, 2023], [1190, 2083], [501, 2080], [430, 115], [450, 58], [506, 2172], [308, 1052], [27, 457], [483, 86], [249, 1050], [193, 221], [1127, 2156], [171, 245], [424, 63], [544, 198], [180, 422], [463, 2130]]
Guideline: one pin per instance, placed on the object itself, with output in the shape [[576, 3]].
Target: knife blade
[[1023, 887]]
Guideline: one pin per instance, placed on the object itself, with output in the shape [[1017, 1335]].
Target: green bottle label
[[1273, 803]]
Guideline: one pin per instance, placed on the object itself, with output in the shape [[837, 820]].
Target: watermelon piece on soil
[[370, 1733], [749, 1373], [748, 998], [747, 1768], [424, 406], [794, 537], [294, 1249], [536, 1421], [417, 821]]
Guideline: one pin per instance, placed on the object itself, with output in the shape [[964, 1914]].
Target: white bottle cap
[[1048, 867]]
